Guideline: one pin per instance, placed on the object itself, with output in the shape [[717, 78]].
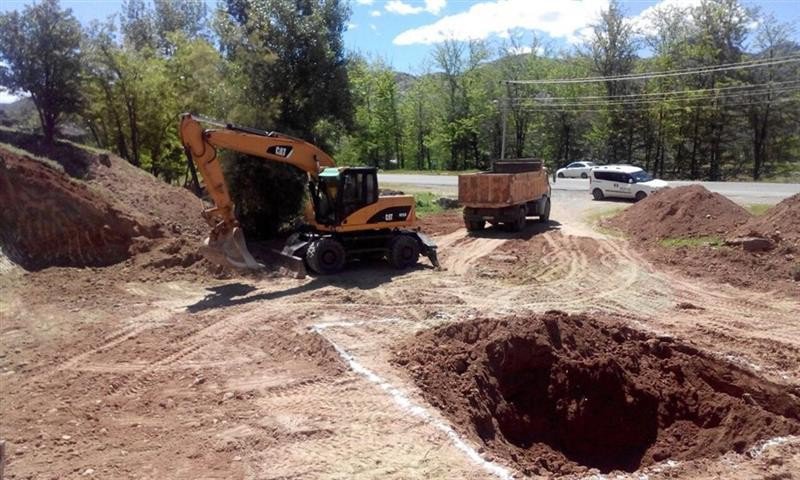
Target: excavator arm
[[225, 244]]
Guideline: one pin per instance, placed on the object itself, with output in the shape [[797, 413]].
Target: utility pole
[[504, 119]]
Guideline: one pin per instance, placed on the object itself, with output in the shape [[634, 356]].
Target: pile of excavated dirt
[[780, 223], [560, 394], [693, 211], [80, 209], [689, 211]]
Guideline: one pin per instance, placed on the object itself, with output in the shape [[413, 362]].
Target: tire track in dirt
[[466, 251], [135, 327], [189, 344]]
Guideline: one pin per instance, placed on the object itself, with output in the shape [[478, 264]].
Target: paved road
[[743, 192]]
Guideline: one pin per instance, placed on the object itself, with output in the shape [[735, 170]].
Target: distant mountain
[[17, 114], [404, 80]]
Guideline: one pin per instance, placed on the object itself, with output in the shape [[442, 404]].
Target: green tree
[[292, 56], [612, 51], [41, 51], [417, 112], [464, 101], [289, 56], [376, 137]]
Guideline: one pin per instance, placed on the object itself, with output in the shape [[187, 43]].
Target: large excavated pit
[[559, 394]]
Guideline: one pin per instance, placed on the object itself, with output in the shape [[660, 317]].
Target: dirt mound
[[688, 211], [51, 220], [559, 394], [780, 223], [708, 235], [90, 210]]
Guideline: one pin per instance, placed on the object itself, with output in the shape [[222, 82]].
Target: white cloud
[[525, 49], [365, 2], [352, 26], [373, 27], [402, 8], [644, 21], [564, 19], [375, 13], [6, 97]]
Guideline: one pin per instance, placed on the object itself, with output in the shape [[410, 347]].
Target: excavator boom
[[225, 244]]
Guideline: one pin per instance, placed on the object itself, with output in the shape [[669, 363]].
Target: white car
[[622, 181], [575, 170]]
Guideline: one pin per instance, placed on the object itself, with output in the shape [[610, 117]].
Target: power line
[[659, 100], [669, 73], [659, 94], [582, 109]]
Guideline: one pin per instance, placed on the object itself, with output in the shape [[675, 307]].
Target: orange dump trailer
[[507, 195]]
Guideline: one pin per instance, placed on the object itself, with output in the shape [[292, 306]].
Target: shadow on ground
[[532, 228], [615, 200], [360, 275]]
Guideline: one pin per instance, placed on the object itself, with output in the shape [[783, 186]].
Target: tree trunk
[[694, 172], [49, 128]]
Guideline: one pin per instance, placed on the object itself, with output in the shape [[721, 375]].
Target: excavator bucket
[[230, 250], [290, 265]]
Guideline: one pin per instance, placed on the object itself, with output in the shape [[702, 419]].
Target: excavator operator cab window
[[325, 194], [359, 188]]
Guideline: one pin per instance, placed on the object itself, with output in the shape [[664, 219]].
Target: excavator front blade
[[290, 265], [230, 250]]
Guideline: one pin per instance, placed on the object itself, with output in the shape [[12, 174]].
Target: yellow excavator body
[[345, 217]]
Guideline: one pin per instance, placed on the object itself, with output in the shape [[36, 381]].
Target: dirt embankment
[[703, 234], [81, 209], [559, 394], [689, 211], [50, 219]]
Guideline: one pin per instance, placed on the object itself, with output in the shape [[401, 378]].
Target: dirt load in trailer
[[512, 191]]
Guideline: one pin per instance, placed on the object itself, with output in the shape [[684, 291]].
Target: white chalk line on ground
[[402, 400]]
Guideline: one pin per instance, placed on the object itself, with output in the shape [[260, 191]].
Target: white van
[[623, 181]]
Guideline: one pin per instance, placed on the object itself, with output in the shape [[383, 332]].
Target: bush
[[267, 194]]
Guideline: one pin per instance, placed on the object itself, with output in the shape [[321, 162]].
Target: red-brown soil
[[436, 224], [688, 211], [49, 219], [780, 223], [693, 211], [559, 394], [91, 210]]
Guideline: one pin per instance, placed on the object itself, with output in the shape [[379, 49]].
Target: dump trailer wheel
[[403, 251], [475, 225], [326, 256], [545, 216], [519, 223]]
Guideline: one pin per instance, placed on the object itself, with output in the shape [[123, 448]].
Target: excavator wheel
[[403, 252], [326, 256]]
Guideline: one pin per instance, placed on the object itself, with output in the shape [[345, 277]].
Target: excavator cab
[[338, 193]]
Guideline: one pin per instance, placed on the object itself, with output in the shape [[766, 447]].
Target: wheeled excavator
[[345, 216]]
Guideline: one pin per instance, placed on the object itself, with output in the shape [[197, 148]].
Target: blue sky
[[403, 31]]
